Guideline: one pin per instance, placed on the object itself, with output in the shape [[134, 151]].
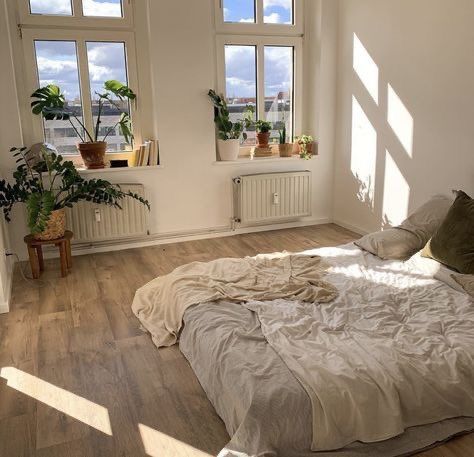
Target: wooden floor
[[80, 379]]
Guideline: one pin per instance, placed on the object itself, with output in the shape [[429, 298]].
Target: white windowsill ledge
[[247, 160], [85, 171]]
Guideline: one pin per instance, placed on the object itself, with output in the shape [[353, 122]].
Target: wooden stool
[[35, 252]]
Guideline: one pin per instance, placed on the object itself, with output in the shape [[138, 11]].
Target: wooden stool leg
[[68, 253], [63, 258], [34, 264], [39, 253]]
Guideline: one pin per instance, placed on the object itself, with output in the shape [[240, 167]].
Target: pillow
[[434, 269], [401, 242], [466, 282], [390, 244], [453, 242]]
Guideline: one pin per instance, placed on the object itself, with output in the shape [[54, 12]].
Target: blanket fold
[[160, 305]]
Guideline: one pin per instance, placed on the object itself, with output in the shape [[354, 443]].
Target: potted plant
[[228, 132], [50, 103], [48, 186], [285, 149], [305, 146], [263, 133]]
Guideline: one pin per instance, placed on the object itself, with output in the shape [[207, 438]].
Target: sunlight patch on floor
[[158, 444], [68, 403]]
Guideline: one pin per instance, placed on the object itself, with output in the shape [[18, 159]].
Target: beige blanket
[[160, 305]]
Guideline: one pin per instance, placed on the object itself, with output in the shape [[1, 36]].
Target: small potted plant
[[49, 185], [285, 149], [263, 133], [228, 132], [50, 103], [305, 146]]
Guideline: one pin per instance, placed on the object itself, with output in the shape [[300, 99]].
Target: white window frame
[[77, 19], [259, 27], [260, 42], [81, 37]]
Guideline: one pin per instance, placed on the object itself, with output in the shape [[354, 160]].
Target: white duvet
[[394, 350]]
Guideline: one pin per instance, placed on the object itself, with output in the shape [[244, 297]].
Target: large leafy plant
[[50, 102], [226, 129], [51, 183]]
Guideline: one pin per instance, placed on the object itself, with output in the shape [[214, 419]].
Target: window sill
[[248, 160], [85, 171]]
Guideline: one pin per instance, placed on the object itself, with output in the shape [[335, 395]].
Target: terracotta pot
[[285, 150], [228, 149], [56, 226], [262, 139], [93, 154]]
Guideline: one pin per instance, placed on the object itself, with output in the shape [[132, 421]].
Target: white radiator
[[92, 222], [272, 197]]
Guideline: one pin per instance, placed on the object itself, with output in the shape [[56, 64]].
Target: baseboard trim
[[175, 237], [351, 227]]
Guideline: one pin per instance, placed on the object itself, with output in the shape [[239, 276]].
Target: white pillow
[[401, 242]]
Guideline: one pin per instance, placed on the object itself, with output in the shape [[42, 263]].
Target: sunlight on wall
[[158, 444], [396, 194], [400, 120], [68, 403], [366, 69], [363, 153]]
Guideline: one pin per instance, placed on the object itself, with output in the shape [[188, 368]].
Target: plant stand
[[35, 253]]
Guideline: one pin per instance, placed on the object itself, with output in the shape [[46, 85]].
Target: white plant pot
[[228, 149]]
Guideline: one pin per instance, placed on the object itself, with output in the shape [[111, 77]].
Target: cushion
[[466, 282], [390, 244], [453, 242], [400, 243]]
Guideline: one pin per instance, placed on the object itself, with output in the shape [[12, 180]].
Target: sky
[[274, 11], [57, 64], [108, 8]]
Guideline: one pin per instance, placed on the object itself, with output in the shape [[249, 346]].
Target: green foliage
[[49, 102], [226, 129], [262, 126], [282, 134], [52, 184], [303, 141]]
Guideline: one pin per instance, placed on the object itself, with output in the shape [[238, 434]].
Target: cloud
[[110, 8], [273, 18], [250, 19], [51, 7], [286, 4]]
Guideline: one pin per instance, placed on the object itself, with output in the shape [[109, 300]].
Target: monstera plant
[[49, 102], [48, 185]]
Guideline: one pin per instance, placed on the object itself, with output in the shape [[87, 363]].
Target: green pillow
[[453, 242]]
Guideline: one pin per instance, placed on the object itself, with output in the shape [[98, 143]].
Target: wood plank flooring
[[79, 378]]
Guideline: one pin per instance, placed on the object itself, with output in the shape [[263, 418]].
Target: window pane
[[240, 78], [107, 61], [278, 11], [239, 10], [102, 8], [57, 64], [279, 88], [53, 7]]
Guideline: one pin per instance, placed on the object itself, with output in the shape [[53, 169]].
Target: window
[[79, 60], [279, 17], [259, 45]]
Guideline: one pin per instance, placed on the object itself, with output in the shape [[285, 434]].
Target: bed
[[417, 330]]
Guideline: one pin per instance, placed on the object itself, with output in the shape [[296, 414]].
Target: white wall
[[10, 133], [191, 193], [424, 50]]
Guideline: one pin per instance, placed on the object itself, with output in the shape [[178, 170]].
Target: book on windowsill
[[261, 152]]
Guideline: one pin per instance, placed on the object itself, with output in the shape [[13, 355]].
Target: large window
[[259, 45], [79, 60]]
